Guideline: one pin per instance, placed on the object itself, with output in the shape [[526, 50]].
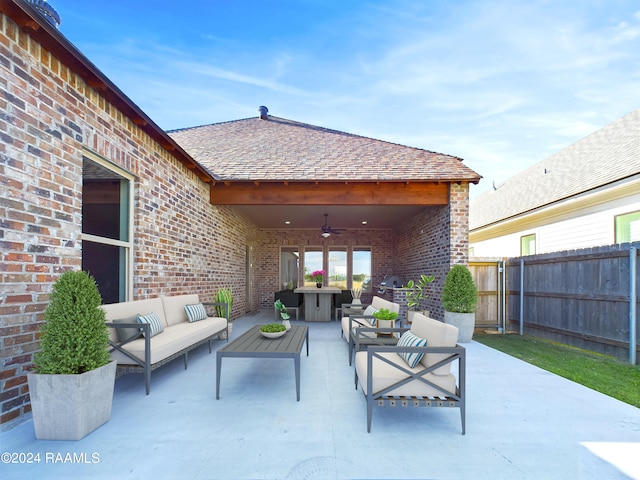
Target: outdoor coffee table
[[252, 344]]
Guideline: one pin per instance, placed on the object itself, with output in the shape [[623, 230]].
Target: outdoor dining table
[[317, 302]]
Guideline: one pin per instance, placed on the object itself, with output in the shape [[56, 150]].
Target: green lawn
[[599, 372]]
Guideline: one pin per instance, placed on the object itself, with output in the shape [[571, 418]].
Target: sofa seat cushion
[[172, 340], [385, 375]]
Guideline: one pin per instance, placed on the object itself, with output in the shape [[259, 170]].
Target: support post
[[632, 304], [521, 296]]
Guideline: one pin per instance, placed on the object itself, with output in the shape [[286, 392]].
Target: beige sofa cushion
[[438, 334], [172, 340], [174, 307]]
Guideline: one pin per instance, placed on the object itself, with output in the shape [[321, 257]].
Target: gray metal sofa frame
[[447, 399], [146, 367]]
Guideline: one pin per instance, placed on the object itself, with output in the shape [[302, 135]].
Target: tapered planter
[[465, 322], [69, 407]]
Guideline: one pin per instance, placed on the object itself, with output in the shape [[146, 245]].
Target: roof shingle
[[607, 155], [278, 149]]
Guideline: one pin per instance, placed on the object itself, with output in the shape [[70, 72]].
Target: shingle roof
[[607, 155], [281, 149]]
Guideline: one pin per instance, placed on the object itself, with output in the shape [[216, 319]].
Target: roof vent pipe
[[47, 11], [264, 112]]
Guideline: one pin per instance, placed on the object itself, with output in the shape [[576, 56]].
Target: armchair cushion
[[438, 334], [408, 339]]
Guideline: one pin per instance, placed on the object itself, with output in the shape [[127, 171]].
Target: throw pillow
[[408, 339], [127, 333], [195, 312], [154, 321], [370, 311]]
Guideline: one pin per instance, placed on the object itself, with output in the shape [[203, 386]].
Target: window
[[528, 245], [361, 268], [313, 260], [337, 274], [289, 264], [628, 227], [107, 224]]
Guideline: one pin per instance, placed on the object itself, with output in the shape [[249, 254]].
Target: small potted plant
[[71, 386], [224, 295], [417, 292], [318, 277], [459, 299], [385, 319], [279, 306]]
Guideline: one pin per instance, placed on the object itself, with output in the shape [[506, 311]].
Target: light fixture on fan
[[327, 230]]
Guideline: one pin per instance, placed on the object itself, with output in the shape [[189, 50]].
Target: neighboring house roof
[[606, 156], [277, 149]]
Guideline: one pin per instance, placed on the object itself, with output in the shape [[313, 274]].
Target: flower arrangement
[[318, 275], [356, 293]]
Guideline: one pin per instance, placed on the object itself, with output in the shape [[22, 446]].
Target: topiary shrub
[[459, 293], [74, 338]]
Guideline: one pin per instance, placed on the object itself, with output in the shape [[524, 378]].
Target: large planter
[[69, 407], [465, 322]]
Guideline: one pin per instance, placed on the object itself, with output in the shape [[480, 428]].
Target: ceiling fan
[[327, 230]]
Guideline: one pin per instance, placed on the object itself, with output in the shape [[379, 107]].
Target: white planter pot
[[69, 407], [465, 322]]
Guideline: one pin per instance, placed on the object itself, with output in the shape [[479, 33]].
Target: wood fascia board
[[329, 193]]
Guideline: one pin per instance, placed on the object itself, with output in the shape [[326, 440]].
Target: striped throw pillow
[[370, 311], [408, 339], [154, 321], [195, 312]]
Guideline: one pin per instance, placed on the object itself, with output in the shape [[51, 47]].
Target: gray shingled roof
[[607, 155], [280, 149]]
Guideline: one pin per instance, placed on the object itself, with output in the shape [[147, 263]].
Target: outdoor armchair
[[422, 378]]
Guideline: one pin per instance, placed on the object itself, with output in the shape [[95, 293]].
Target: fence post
[[521, 296], [632, 305]]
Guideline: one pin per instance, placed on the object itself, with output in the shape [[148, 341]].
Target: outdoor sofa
[[146, 334]]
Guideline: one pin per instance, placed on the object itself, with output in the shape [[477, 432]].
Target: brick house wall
[[182, 244]]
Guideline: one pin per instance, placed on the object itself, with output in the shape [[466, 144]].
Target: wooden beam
[[329, 193]]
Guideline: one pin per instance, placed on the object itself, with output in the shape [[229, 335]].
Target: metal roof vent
[[264, 112], [47, 11]]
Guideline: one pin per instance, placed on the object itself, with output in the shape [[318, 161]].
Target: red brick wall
[[48, 115]]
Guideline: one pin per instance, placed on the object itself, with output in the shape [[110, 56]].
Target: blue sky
[[501, 84]]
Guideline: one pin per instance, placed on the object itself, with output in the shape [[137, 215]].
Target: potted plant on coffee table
[[71, 386], [417, 292], [459, 299]]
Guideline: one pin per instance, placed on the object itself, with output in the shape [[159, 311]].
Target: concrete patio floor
[[522, 422]]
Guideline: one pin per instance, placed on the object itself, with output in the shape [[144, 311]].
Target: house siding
[[567, 228]]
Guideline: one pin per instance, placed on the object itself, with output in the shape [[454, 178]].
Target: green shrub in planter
[[385, 314], [459, 293], [75, 337], [224, 295]]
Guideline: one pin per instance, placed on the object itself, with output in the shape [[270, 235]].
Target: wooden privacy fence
[[587, 298]]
